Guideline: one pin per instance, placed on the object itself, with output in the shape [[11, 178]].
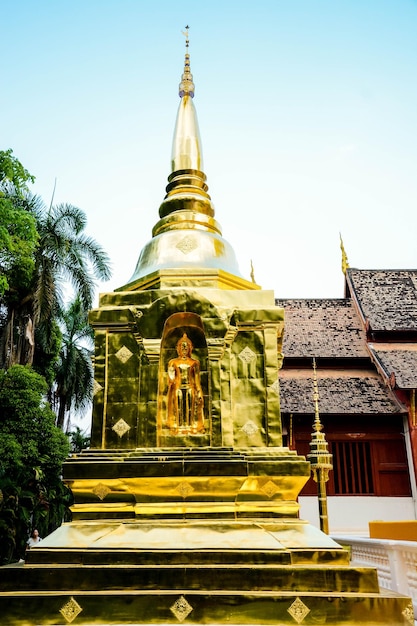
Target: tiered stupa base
[[201, 560]]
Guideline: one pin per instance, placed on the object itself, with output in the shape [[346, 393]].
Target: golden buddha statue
[[185, 396]]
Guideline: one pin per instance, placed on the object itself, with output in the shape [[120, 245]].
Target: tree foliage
[[12, 171], [18, 233], [64, 255], [74, 370], [79, 440], [43, 250], [32, 450]]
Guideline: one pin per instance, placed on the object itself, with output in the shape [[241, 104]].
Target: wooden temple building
[[365, 346]]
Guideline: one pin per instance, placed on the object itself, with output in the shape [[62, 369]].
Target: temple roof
[[322, 328], [398, 364], [387, 299], [332, 329], [340, 393]]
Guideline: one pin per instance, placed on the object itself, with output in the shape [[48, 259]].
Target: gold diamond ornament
[[298, 610], [275, 386], [250, 428], [184, 489], [269, 488], [70, 610], [123, 354], [181, 608], [247, 355], [187, 244], [101, 491], [96, 387], [121, 427]]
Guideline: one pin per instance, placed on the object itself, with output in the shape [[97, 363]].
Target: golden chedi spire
[[187, 247], [186, 147]]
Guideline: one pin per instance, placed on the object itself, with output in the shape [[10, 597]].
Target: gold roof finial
[[252, 272], [345, 262], [186, 87]]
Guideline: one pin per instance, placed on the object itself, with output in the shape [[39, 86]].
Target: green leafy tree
[[18, 234], [64, 255], [48, 342], [79, 440], [74, 371], [32, 450], [12, 171]]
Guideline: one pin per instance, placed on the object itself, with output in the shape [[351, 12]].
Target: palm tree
[[65, 254], [74, 371]]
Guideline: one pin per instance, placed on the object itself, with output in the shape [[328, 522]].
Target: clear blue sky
[[307, 111]]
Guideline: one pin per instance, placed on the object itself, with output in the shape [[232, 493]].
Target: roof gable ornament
[[345, 262]]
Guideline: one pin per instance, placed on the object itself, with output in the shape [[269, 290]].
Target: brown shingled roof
[[400, 362], [326, 328], [338, 394], [387, 298]]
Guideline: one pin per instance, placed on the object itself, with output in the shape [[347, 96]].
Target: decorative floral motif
[[184, 489], [123, 354], [187, 244], [298, 610], [247, 355], [270, 488], [121, 427], [96, 387], [275, 386], [101, 491], [181, 608], [250, 428], [70, 610]]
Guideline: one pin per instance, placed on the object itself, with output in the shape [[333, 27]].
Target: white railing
[[395, 561]]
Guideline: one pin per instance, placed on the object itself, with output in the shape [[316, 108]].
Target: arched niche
[[175, 327]]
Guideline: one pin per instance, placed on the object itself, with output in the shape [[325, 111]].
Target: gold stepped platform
[[194, 572], [208, 536], [161, 607], [272, 583], [186, 483]]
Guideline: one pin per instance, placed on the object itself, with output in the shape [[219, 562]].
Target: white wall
[[351, 514]]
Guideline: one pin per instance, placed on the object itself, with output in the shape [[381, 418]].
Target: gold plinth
[[186, 483], [206, 536], [196, 572]]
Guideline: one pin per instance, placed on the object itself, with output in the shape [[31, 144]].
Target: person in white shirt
[[34, 539]]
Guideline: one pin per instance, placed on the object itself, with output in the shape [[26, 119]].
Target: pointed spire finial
[[320, 458], [186, 87], [345, 262], [252, 272], [317, 426], [186, 35]]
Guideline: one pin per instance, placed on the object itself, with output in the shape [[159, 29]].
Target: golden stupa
[[186, 505]]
